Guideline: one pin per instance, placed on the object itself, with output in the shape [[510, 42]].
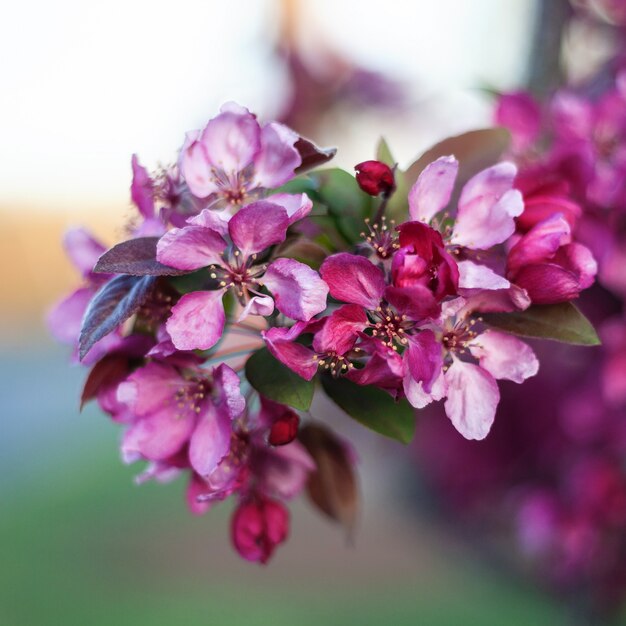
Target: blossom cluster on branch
[[245, 282]]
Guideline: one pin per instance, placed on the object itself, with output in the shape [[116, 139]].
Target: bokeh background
[[82, 87]]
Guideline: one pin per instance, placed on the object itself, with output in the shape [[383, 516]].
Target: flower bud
[[284, 429], [374, 177], [258, 526]]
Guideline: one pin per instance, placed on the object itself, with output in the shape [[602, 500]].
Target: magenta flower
[[473, 362], [548, 265], [234, 157], [198, 319], [593, 136], [520, 113], [333, 343]]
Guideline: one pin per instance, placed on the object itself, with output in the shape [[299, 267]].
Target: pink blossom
[[234, 157], [198, 319], [473, 363], [548, 265]]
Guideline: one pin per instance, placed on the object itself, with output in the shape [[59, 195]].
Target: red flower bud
[[374, 177], [284, 429], [258, 526]]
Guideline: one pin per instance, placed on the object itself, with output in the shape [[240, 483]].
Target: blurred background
[[85, 85]]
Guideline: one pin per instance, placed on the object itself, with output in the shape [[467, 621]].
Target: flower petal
[[210, 218], [65, 319], [415, 394], [298, 290], [231, 140], [548, 283], [196, 168], [197, 320], [190, 248], [285, 470], [257, 305], [487, 207], [258, 226], [341, 330], [521, 114], [210, 441], [475, 276], [539, 244], [280, 342], [197, 487], [353, 279], [417, 303], [277, 159], [82, 249], [424, 358], [297, 205], [504, 356], [432, 190], [473, 397], [142, 189], [229, 391], [150, 388], [157, 436]]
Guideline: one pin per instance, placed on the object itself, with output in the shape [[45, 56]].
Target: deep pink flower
[[198, 319], [422, 270], [521, 114], [258, 526], [591, 137], [548, 265], [333, 343], [234, 157]]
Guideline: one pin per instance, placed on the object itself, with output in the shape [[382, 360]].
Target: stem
[[241, 351], [382, 207]]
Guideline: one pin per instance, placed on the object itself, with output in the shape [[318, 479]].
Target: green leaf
[[347, 204], [559, 322], [383, 153], [373, 408], [277, 382], [301, 184]]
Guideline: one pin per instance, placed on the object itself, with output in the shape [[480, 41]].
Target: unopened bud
[[284, 429], [374, 177]]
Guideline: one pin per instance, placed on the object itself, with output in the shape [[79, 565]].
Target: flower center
[[238, 273], [381, 238], [390, 327], [336, 364], [191, 395], [457, 339]]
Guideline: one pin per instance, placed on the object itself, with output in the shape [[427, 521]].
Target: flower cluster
[[244, 282], [560, 480]]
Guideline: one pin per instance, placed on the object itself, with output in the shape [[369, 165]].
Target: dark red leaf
[[136, 257], [108, 369], [333, 486], [114, 303], [312, 155]]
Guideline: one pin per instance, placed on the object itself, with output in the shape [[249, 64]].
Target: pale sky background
[[84, 85]]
